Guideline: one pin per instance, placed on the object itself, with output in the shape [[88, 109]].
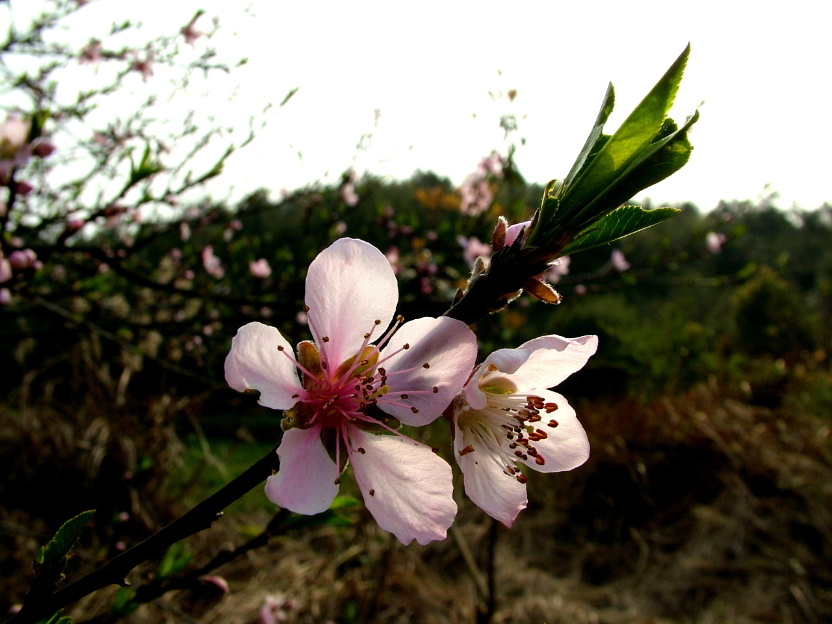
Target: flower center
[[507, 429]]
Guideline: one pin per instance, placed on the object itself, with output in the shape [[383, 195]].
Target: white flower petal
[[406, 486], [449, 348], [255, 362], [498, 494], [566, 446], [553, 359], [349, 286], [305, 482]]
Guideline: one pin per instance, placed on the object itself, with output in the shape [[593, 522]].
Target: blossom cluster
[[366, 372]]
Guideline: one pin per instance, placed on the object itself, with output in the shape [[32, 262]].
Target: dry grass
[[695, 508]]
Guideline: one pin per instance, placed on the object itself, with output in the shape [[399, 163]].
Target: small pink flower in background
[[349, 195], [23, 187], [260, 268], [5, 296], [184, 232], [216, 584], [5, 270], [43, 148], [714, 241], [619, 261], [341, 389], [476, 196], [557, 269], [91, 53], [190, 32], [474, 248], [15, 151], [505, 416], [22, 259], [394, 258], [212, 263], [143, 65], [276, 609], [581, 289]]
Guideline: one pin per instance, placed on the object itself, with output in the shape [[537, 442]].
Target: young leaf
[[637, 132], [618, 224], [175, 560], [59, 546], [57, 618]]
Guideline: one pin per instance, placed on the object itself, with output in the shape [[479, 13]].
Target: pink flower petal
[[498, 494], [349, 286], [305, 482], [255, 362], [449, 348], [406, 486], [566, 446]]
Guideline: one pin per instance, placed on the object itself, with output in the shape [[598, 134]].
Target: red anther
[[466, 450], [553, 423]]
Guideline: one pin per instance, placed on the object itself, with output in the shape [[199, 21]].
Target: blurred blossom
[[619, 262], [143, 66], [473, 248], [23, 187], [14, 149], [23, 259], [275, 609], [216, 584], [340, 228], [348, 194], [190, 32], [260, 268], [212, 263], [493, 164], [394, 258], [184, 232], [5, 270], [43, 148], [476, 196], [714, 241], [580, 289], [91, 53], [5, 296], [557, 269]]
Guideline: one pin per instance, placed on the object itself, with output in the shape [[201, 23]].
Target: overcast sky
[[435, 72]]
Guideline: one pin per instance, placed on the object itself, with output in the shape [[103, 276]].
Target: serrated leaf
[[637, 132], [59, 546], [618, 224], [596, 138]]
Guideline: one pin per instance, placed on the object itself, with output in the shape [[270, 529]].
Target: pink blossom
[[557, 269], [474, 248], [91, 53], [190, 32], [714, 241], [260, 268], [275, 609], [143, 66], [349, 195], [15, 151], [43, 148], [5, 296], [505, 416], [476, 196], [5, 270], [23, 259], [353, 377], [619, 261], [212, 263]]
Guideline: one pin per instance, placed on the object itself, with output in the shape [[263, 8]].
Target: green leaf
[[618, 224], [596, 139], [636, 134], [175, 560], [124, 603], [56, 550], [57, 618]]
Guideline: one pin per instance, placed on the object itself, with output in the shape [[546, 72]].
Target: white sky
[[761, 68]]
